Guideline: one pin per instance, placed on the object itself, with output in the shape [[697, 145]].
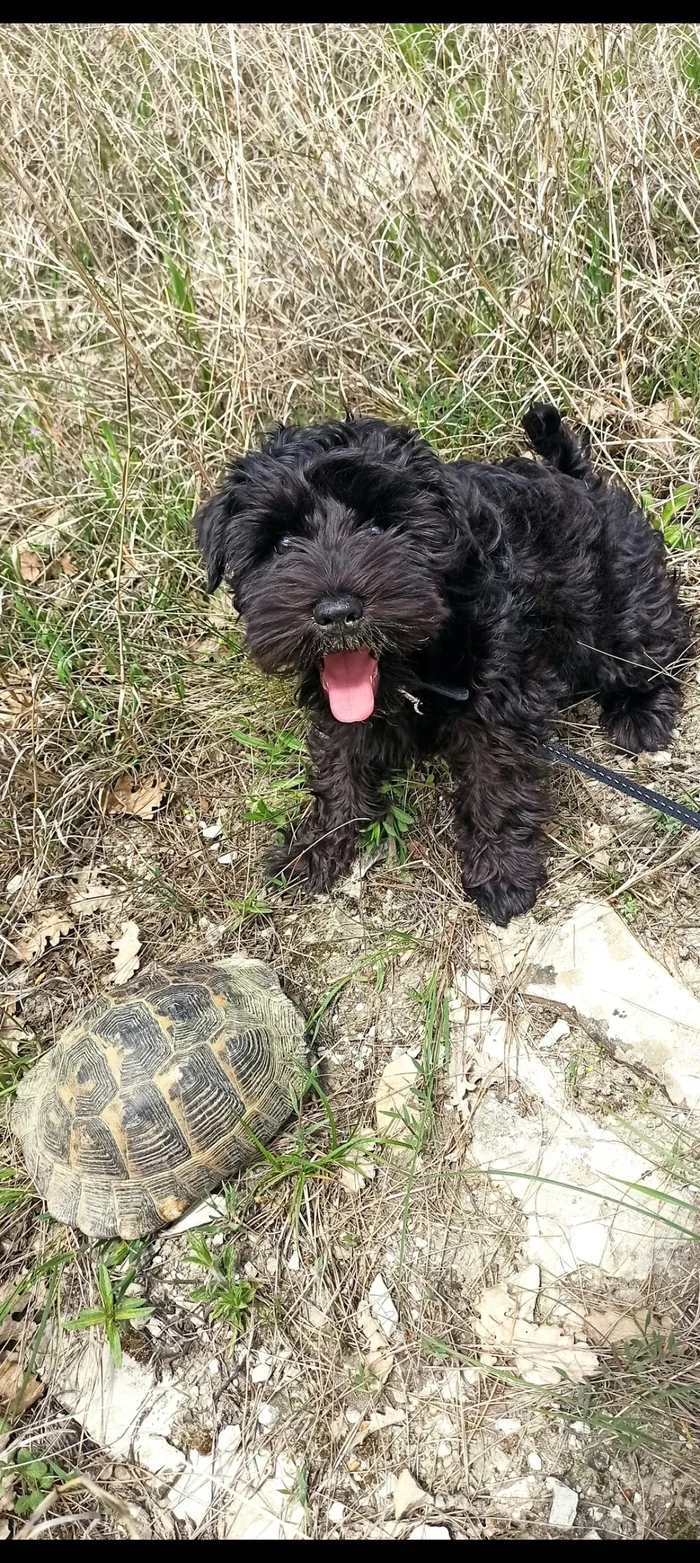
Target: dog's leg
[[501, 807], [348, 764]]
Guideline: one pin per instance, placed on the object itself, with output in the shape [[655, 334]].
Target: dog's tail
[[552, 439]]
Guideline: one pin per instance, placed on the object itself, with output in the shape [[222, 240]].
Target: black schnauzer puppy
[[444, 608]]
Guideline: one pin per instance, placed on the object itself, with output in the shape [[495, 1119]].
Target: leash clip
[[415, 702]]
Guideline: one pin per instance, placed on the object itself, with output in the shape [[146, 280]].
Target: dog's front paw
[[309, 863], [500, 899]]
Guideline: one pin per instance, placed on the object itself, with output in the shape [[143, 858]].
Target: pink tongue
[[349, 679]]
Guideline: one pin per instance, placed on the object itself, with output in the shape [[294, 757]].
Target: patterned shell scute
[[153, 1096]]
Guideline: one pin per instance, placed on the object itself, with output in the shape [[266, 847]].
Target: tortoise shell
[[155, 1095]]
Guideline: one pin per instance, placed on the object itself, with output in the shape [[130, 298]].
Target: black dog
[[393, 583]]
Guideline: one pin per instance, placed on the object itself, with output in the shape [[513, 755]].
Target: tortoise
[[153, 1096]]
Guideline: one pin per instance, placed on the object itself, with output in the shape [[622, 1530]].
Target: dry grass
[[209, 228]]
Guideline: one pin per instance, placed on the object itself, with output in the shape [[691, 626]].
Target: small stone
[[268, 1416], [336, 1513], [260, 1373], [476, 985], [564, 1504], [429, 1533], [444, 1450], [517, 1499], [591, 1535], [213, 1367], [508, 1425], [555, 1034], [534, 1460]]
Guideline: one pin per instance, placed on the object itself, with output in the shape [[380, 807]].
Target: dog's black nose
[[338, 610]]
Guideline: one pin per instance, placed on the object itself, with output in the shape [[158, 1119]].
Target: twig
[[656, 868]]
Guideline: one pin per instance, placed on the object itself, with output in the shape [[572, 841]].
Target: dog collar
[[448, 691]]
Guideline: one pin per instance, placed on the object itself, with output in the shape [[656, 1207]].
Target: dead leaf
[[67, 564], [407, 1494], [609, 1327], [126, 959], [222, 614], [12, 1033], [397, 1103], [359, 1167], [597, 407], [46, 928], [376, 1423], [379, 1358], [28, 564], [13, 1390], [90, 895], [13, 705], [541, 1353], [660, 420], [129, 796]]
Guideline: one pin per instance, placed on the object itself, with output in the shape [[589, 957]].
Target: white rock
[[211, 832], [592, 1535], [571, 1175], [268, 1416], [555, 1034], [263, 1506], [124, 1410], [260, 1373], [429, 1533], [476, 985], [564, 1504], [382, 1307], [336, 1513], [534, 1460], [508, 1425], [517, 1499], [594, 964], [444, 1450]]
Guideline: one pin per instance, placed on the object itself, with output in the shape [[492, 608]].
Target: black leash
[[631, 789], [590, 768]]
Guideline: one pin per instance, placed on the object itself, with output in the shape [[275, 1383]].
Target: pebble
[[508, 1425], [429, 1533], [444, 1450], [336, 1513], [268, 1416], [260, 1373], [534, 1460], [564, 1504]]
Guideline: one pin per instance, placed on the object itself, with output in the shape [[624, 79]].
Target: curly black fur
[[528, 583]]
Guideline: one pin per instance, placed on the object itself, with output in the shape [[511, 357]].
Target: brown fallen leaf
[[541, 1353], [378, 1356], [397, 1103], [46, 928], [129, 796], [67, 564], [13, 1389], [126, 959], [376, 1423], [28, 564], [407, 1494], [359, 1168], [609, 1326], [90, 895], [14, 703]]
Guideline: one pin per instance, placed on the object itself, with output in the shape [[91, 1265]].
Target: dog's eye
[[282, 543], [376, 531]]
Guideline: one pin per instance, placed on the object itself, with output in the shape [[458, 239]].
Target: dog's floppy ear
[[210, 527]]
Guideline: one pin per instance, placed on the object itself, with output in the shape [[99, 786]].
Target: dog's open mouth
[[350, 680]]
